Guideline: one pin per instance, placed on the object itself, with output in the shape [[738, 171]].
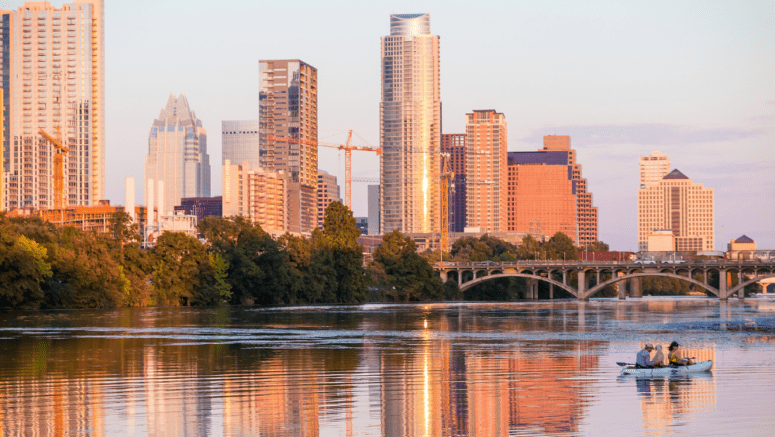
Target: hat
[[648, 345], [674, 344]]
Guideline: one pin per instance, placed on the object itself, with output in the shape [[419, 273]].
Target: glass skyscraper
[[410, 126], [239, 139]]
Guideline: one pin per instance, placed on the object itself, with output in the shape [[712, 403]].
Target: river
[[453, 369]]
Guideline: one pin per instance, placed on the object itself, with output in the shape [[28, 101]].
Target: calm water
[[387, 370]]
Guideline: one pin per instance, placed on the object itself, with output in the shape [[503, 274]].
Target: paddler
[[643, 359], [674, 358]]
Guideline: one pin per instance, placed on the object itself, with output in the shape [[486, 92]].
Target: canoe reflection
[[664, 399]]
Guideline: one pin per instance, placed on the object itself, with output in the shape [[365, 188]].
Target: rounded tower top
[[410, 24]]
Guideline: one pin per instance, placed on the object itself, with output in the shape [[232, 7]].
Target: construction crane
[[446, 178], [348, 149], [59, 172]]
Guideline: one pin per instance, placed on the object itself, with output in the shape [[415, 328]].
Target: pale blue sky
[[693, 80]]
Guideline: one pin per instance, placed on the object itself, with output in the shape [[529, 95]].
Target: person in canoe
[[674, 356], [659, 357], [643, 359]]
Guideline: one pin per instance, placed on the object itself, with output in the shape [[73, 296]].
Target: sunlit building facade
[[288, 133], [257, 194], [328, 192], [52, 66], [410, 126], [239, 142], [487, 169], [680, 205], [177, 155], [653, 168]]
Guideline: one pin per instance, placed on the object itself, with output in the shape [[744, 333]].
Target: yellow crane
[[59, 172], [446, 177]]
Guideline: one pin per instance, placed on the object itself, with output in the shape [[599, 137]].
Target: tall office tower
[[177, 154], [259, 195], [541, 193], [653, 168], [328, 192], [586, 213], [410, 126], [374, 209], [52, 67], [2, 155], [240, 142], [487, 170], [677, 204], [454, 147], [288, 109]]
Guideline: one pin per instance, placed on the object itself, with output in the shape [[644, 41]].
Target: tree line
[[234, 262]]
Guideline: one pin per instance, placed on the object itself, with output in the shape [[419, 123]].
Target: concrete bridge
[[593, 276]]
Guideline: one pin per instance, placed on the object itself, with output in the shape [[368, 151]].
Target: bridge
[[722, 278]]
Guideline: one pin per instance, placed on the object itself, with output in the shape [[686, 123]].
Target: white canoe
[[702, 366]]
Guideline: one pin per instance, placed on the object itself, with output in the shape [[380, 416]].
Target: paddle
[[624, 364]]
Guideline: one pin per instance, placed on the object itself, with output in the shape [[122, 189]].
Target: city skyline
[[697, 88]]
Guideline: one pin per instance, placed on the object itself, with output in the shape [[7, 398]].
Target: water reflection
[[475, 370]]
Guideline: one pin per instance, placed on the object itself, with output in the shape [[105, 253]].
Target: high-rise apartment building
[[653, 168], [328, 192], [288, 132], [239, 141], [487, 170], [259, 195], [677, 204], [52, 67], [546, 193], [586, 213], [453, 146], [410, 126], [177, 155]]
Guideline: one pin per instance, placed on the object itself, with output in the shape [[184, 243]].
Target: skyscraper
[[410, 126], [288, 109], [454, 147], [653, 168], [487, 170], [177, 154], [373, 197], [239, 140], [52, 67], [677, 204]]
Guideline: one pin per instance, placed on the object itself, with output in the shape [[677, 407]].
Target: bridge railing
[[726, 263]]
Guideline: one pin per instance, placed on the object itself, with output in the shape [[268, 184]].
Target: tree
[[529, 248], [597, 246], [22, 269], [560, 246], [482, 249], [341, 239], [407, 272], [181, 270]]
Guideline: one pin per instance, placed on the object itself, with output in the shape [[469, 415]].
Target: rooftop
[[675, 174]]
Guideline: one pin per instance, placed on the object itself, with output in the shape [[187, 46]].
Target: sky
[[694, 80]]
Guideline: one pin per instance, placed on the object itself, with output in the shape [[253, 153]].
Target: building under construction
[[100, 218]]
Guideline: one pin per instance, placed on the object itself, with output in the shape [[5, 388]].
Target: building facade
[[328, 192], [52, 66], [546, 193], [201, 207], [487, 170], [677, 204], [653, 168], [541, 195], [259, 195], [453, 146], [177, 156], [586, 212], [288, 132], [410, 126], [239, 140], [374, 209]]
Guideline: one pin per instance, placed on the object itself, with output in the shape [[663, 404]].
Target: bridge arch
[[593, 290], [476, 281], [742, 285]]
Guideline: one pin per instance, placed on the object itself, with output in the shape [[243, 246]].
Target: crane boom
[[59, 173], [446, 176], [348, 149]]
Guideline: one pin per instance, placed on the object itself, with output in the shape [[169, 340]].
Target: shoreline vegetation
[[235, 262]]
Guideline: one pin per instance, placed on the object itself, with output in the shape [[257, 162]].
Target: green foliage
[[560, 246], [452, 291], [220, 274], [182, 274], [482, 249], [20, 273], [501, 289], [597, 246], [408, 275], [38, 254]]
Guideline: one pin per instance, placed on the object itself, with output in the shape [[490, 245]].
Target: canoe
[[702, 366]]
